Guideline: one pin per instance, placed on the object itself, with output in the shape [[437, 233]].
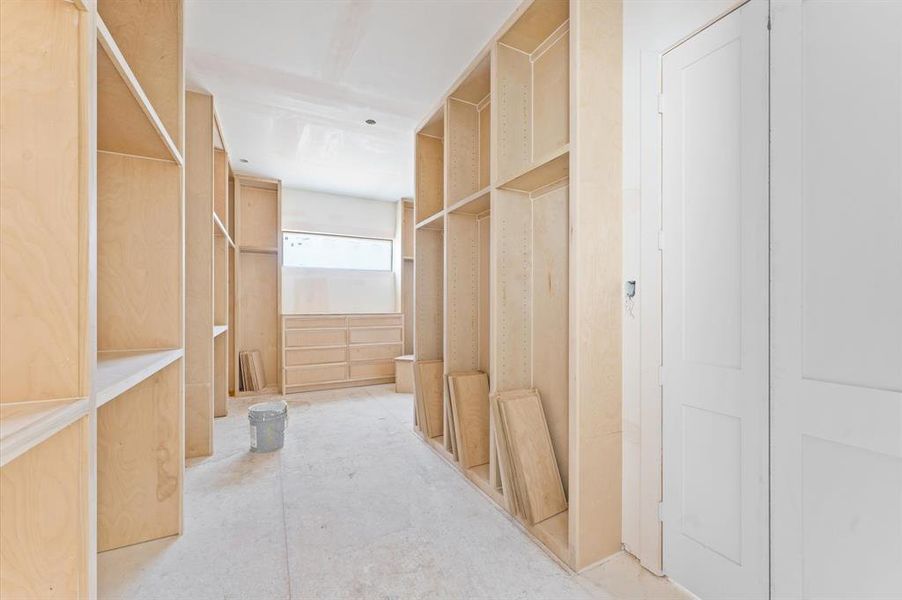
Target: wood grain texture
[[429, 265], [297, 357], [221, 185], [140, 460], [476, 84], [550, 317], [258, 220], [44, 542], [538, 22], [461, 351], [139, 254], [404, 376], [149, 34], [430, 166], [463, 150], [469, 393], [42, 255], [485, 129], [429, 391], [372, 369], [199, 259], [532, 456], [513, 108], [551, 99], [596, 284], [258, 319], [220, 374]]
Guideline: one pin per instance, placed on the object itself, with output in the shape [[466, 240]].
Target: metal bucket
[[268, 421]]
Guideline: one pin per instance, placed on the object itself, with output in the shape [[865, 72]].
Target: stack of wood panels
[[253, 377]]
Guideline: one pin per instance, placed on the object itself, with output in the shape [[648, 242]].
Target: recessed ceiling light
[[370, 121], [244, 160]]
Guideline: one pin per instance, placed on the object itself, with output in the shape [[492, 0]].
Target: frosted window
[[318, 251]]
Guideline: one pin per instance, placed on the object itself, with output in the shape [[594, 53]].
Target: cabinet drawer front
[[375, 335], [301, 338], [315, 322], [316, 374], [374, 321], [376, 351], [382, 368], [314, 356]]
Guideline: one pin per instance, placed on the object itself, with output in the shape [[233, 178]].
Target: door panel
[[715, 307], [836, 350]]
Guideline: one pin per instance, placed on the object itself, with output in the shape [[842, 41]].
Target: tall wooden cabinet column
[[518, 250]]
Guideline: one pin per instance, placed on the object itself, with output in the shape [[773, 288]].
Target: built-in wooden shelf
[[435, 221], [24, 425], [218, 330], [129, 123], [221, 230], [119, 371], [259, 249], [550, 169], [475, 204]]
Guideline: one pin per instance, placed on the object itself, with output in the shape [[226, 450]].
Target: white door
[[715, 307], [836, 198]]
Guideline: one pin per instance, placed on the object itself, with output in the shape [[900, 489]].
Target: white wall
[[310, 291], [649, 28]]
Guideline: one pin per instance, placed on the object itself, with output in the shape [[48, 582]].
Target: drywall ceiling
[[294, 81]]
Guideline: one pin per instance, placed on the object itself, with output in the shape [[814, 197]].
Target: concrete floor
[[354, 506]]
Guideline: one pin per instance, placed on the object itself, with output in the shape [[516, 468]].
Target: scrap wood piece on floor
[[428, 394], [259, 373], [469, 394], [532, 454], [450, 434]]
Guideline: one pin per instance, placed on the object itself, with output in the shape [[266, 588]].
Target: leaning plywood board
[[259, 377], [532, 455], [428, 376], [469, 394], [504, 460]]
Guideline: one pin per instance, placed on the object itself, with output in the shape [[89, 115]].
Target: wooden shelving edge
[[24, 425], [119, 371]]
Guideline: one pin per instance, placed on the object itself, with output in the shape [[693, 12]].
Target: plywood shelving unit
[[258, 276], [408, 223], [207, 274], [518, 265], [91, 373], [140, 273]]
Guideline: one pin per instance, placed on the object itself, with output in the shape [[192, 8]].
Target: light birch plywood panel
[[538, 22], [295, 338], [429, 295], [462, 294], [513, 85], [199, 264], [44, 522], [220, 374], [511, 317], [407, 304], [149, 34], [221, 185], [220, 280], [407, 226], [139, 254], [476, 86], [374, 320], [258, 225], [469, 393], [532, 456], [374, 335], [140, 462], [485, 136], [258, 326], [372, 370], [550, 297], [297, 357], [551, 99], [374, 351], [430, 187], [43, 258], [428, 376], [316, 374], [316, 322], [463, 150], [485, 289]]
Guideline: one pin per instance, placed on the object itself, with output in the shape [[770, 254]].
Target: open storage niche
[[468, 112], [46, 286], [554, 270], [468, 303], [258, 275], [430, 167], [139, 389], [532, 60]]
